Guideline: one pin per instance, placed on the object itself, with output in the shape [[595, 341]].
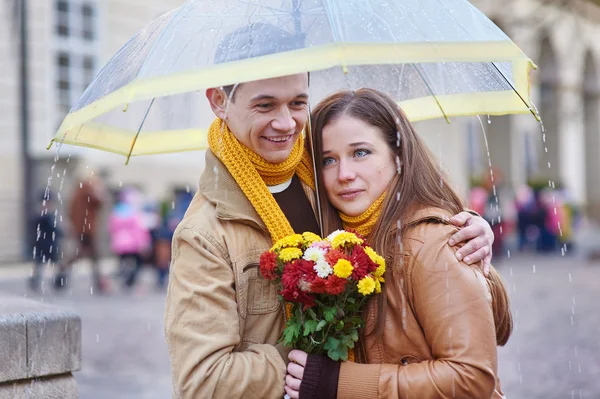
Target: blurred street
[[553, 352]]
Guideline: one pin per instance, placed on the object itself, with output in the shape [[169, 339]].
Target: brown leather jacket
[[439, 338], [222, 319]]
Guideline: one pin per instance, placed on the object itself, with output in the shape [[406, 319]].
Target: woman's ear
[[218, 102]]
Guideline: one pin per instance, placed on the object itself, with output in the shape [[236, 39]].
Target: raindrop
[[80, 184], [97, 337], [570, 278], [91, 290], [172, 204], [533, 268]]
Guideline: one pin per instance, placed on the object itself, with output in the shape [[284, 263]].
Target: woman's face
[[358, 165]]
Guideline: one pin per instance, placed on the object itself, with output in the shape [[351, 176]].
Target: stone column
[[40, 347]]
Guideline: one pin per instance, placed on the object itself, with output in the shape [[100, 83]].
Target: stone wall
[[40, 348]]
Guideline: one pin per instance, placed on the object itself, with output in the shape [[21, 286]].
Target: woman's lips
[[348, 195]]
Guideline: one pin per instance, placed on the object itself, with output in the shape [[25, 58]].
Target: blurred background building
[[68, 41]]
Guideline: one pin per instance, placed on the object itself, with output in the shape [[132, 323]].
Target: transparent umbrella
[[437, 58]]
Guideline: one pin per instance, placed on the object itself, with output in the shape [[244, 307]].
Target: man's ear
[[218, 101]]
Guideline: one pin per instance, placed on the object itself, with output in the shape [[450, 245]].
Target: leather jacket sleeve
[[451, 302], [202, 328]]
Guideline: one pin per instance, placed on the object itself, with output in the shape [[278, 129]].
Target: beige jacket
[[222, 318], [439, 338]]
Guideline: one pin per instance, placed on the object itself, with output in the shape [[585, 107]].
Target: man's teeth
[[278, 140]]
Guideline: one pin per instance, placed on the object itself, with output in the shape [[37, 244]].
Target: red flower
[[335, 285], [296, 280], [333, 256], [268, 265], [299, 296], [318, 286], [363, 265]]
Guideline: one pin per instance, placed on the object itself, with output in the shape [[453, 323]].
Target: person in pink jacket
[[130, 238]]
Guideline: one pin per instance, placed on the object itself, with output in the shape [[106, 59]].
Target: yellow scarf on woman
[[363, 224], [253, 174]]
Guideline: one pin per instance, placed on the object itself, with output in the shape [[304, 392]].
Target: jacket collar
[[420, 213], [221, 189]]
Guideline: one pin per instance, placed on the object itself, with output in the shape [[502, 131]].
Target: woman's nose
[[346, 171]]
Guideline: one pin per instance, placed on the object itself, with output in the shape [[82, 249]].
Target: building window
[[88, 65], [77, 50], [87, 21], [63, 62], [62, 18]]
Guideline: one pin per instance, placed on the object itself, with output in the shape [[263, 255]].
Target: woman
[[433, 331]]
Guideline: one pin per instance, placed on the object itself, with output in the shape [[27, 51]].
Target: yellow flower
[[367, 285], [377, 286], [343, 268], [375, 257], [309, 238], [288, 254], [288, 242], [344, 238]]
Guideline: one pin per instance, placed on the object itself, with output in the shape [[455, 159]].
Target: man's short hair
[[255, 40]]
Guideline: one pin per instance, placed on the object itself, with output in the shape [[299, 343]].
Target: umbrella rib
[[138, 132], [535, 115], [437, 101]]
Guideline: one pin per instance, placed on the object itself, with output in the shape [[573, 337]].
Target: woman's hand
[[478, 235], [295, 371]]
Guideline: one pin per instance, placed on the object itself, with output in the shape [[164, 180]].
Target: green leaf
[[321, 325], [350, 299], [290, 334], [332, 346], [309, 327], [329, 314], [354, 335]]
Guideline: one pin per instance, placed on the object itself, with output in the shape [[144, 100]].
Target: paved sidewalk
[[553, 353]]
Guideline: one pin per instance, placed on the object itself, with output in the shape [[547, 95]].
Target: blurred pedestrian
[[130, 237], [47, 240], [84, 209]]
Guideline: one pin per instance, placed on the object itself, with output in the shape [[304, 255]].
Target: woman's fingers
[[292, 382]]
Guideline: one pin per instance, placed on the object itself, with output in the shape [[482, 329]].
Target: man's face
[[267, 116]]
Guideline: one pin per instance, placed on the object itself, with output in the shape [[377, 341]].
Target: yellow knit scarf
[[363, 224], [253, 174]]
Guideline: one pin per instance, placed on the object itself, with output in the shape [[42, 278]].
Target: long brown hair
[[419, 182]]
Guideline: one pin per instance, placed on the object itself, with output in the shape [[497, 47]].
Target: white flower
[[314, 253], [331, 236], [323, 269]]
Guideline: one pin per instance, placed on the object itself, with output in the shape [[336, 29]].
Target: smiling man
[[222, 319]]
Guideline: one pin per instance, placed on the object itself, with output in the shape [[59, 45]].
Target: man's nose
[[284, 121]]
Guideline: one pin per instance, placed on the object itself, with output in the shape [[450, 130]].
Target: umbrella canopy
[[437, 58]]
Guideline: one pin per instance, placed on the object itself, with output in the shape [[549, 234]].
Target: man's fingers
[[486, 266], [477, 257], [466, 234], [295, 370], [460, 219], [292, 394], [292, 382]]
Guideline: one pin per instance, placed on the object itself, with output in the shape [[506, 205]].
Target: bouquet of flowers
[[325, 284]]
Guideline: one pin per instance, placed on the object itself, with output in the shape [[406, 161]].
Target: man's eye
[[299, 103], [361, 153], [263, 106]]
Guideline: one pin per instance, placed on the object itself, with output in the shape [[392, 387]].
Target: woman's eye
[[327, 161], [361, 153]]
